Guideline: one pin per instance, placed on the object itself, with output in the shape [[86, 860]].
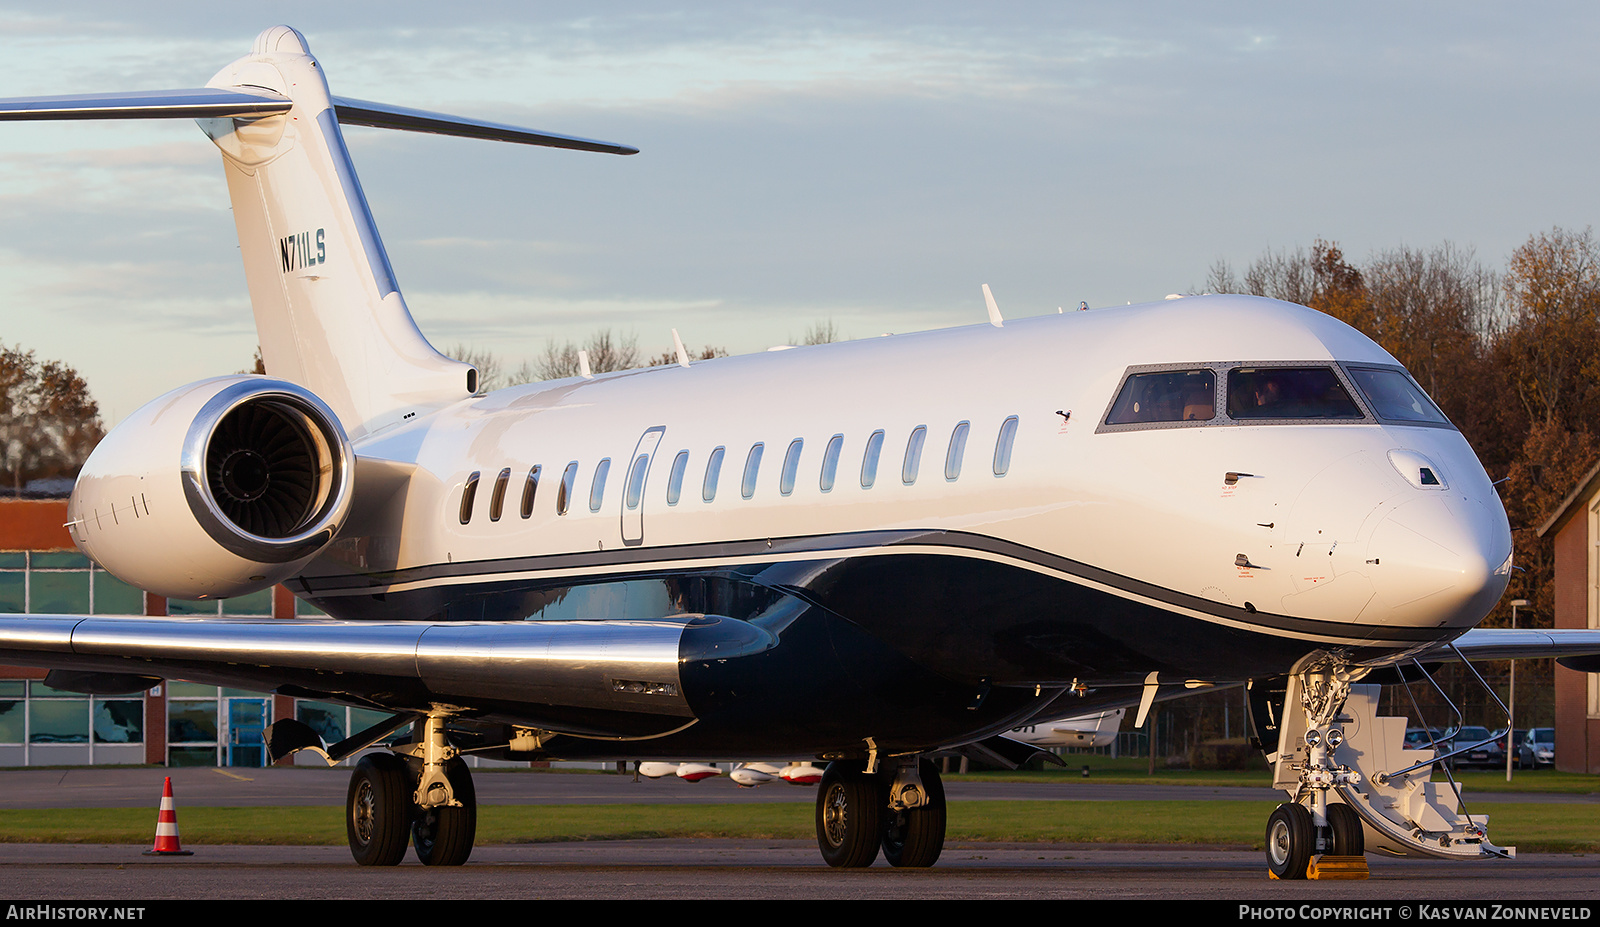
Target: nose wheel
[[1290, 839]]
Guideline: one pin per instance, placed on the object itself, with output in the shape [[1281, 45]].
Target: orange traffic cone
[[167, 827]]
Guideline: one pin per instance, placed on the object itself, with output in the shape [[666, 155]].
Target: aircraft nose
[[1440, 561]]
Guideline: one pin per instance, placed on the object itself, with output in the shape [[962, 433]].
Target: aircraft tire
[[849, 812], [443, 836], [1348, 837], [378, 810], [913, 839], [1290, 838]]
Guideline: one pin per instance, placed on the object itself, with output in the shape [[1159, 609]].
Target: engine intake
[[264, 473]]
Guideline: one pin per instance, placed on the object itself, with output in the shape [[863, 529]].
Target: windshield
[[1288, 392], [1395, 396], [1166, 396]]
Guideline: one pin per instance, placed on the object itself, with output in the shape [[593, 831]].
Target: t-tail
[[329, 314]]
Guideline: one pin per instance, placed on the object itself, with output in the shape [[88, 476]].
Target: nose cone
[[1439, 561]]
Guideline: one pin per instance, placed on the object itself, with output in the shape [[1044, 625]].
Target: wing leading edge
[[1577, 649], [603, 678]]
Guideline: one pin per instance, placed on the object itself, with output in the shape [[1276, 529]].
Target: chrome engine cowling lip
[[332, 442]]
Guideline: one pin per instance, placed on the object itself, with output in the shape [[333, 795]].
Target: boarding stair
[[1389, 785]]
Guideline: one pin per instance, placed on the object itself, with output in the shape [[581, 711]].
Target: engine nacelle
[[219, 488]]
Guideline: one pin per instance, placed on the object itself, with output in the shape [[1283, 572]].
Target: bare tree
[[607, 352], [819, 333]]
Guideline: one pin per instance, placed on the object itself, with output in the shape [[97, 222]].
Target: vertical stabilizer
[[328, 311]]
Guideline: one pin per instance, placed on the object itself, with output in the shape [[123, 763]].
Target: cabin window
[[569, 476], [830, 462], [468, 493], [958, 447], [913, 458], [791, 465], [1395, 397], [597, 492], [497, 500], [752, 466], [680, 464], [1289, 393], [1002, 446], [529, 488], [708, 489], [641, 466], [869, 460], [1166, 396]]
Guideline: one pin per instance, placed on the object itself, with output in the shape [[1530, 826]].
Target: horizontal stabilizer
[[199, 103], [383, 116], [223, 103]]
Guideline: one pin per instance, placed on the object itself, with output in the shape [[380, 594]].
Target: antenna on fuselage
[[583, 365], [994, 310], [677, 346]]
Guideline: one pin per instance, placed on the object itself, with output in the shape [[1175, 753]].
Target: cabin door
[[634, 487]]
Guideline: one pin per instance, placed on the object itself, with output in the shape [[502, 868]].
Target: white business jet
[[863, 552]]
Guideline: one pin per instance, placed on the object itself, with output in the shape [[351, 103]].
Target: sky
[[869, 165]]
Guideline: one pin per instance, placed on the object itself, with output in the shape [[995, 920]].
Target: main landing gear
[[426, 796], [900, 810]]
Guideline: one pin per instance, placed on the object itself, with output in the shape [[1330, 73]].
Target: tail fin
[[328, 312]]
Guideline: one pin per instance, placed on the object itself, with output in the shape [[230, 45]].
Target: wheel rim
[[426, 822], [894, 835], [1278, 843], [835, 819], [364, 811]]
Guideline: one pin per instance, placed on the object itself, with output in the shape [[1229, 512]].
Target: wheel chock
[[1337, 867]]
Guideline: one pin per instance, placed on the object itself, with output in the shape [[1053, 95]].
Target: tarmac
[[706, 868]]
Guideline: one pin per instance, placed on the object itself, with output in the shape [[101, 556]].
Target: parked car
[[1537, 748], [1420, 738], [1482, 754]]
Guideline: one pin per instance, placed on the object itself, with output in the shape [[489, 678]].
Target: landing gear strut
[[901, 810]]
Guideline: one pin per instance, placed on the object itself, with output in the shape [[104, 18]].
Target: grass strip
[[1564, 828]]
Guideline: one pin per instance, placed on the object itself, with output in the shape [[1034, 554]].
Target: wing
[[1577, 649], [614, 679]]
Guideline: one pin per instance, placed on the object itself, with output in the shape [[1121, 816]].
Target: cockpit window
[[1395, 396], [1166, 396], [1289, 393]]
